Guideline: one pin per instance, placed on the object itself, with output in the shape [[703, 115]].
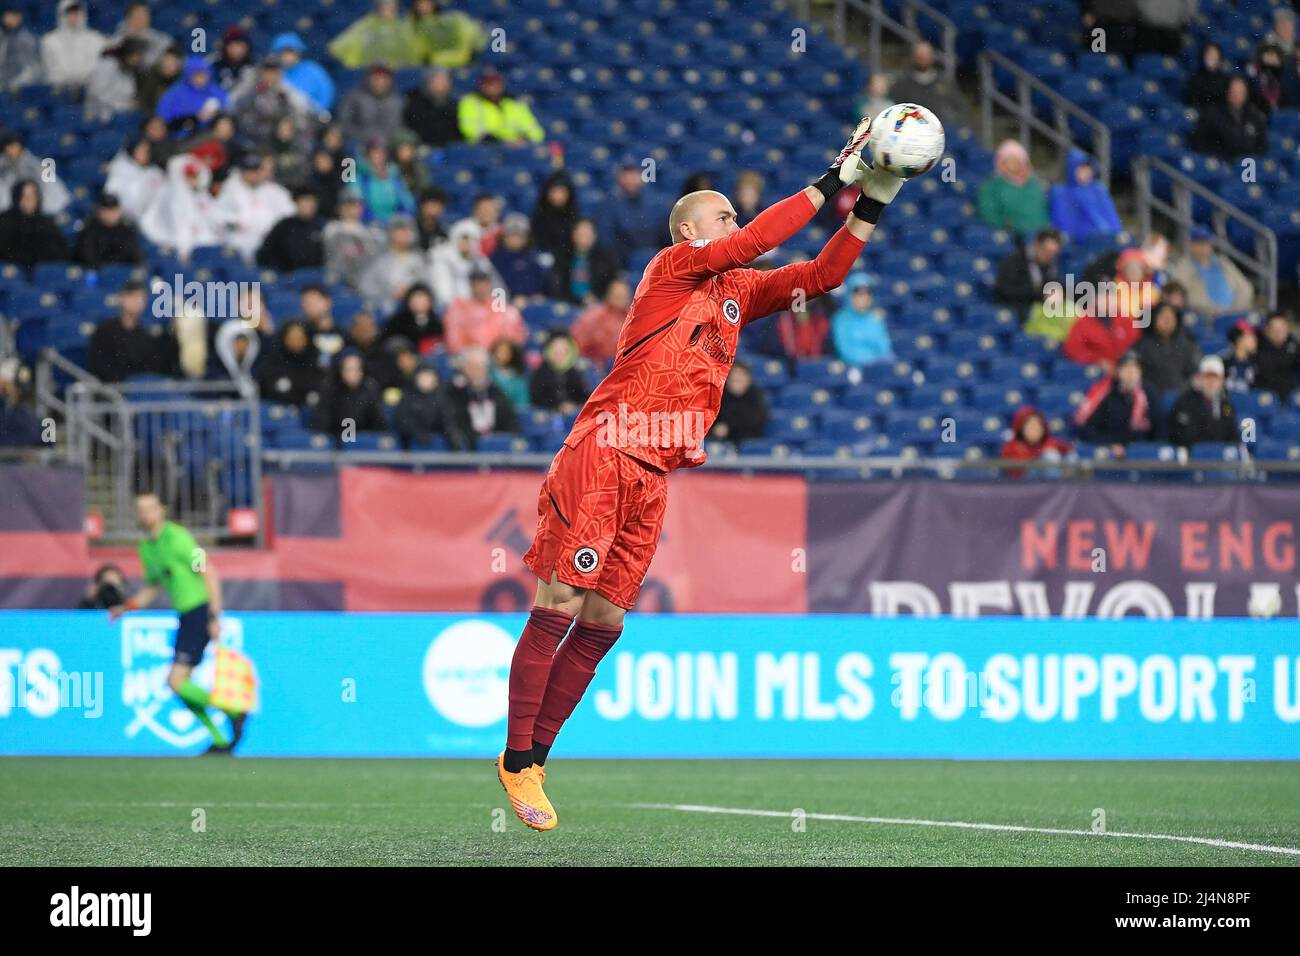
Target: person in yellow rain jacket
[[379, 37], [488, 114], [447, 38]]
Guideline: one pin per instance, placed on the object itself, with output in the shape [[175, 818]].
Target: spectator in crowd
[[1161, 25], [162, 146], [134, 179], [1204, 412], [1081, 206], [379, 37], [106, 589], [390, 274], [121, 347], [509, 371], [350, 401], [416, 321], [152, 83], [632, 221], [351, 244], [237, 348], [1209, 84], [316, 306], [431, 110], [366, 339], [1215, 286], [1119, 409], [193, 100], [182, 215], [486, 213], [291, 373], [372, 110], [597, 327], [1274, 83], [555, 215], [137, 25], [478, 406], [802, 333], [69, 52], [111, 88], [877, 97], [519, 265], [488, 114], [1233, 127], [428, 218], [585, 274], [477, 321], [748, 195], [559, 385], [20, 51], [1013, 198], [1032, 439], [183, 349], [405, 147], [18, 425], [424, 412], [297, 241], [233, 66], [1277, 365], [18, 164], [288, 153], [1239, 360], [694, 183], [250, 204], [1112, 328], [325, 178], [1025, 273], [27, 235], [219, 148], [858, 327], [924, 83], [1168, 352], [107, 237], [743, 412], [306, 76], [447, 38], [381, 185], [1176, 295], [1283, 34], [263, 99], [451, 264]]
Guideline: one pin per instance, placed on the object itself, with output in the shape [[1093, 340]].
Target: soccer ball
[[906, 140]]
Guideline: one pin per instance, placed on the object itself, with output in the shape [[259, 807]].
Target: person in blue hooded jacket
[[306, 76], [1081, 206], [858, 327], [194, 99]]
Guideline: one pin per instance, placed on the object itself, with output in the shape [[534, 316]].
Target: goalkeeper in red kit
[[601, 506]]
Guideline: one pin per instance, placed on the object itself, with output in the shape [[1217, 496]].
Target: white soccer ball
[[905, 139]]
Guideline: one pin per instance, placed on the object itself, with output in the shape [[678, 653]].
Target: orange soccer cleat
[[525, 792]]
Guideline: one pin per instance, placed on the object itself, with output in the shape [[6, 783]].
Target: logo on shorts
[[586, 559], [731, 311]]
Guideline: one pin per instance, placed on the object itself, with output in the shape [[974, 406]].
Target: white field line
[[960, 825]]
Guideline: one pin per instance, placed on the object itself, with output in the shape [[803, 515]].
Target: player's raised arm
[[708, 241]]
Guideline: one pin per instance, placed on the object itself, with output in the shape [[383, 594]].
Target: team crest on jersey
[[731, 311], [586, 559]]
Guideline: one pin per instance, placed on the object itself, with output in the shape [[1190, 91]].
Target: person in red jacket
[[1113, 325], [1031, 438]]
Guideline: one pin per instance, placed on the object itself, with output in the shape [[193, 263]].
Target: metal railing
[[908, 30], [1263, 265], [1021, 108], [197, 444]]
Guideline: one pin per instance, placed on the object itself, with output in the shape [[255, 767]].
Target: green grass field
[[75, 811]]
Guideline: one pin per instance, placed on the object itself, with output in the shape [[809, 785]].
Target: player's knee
[[598, 610]]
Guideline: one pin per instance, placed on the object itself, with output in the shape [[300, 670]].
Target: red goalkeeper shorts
[[599, 515]]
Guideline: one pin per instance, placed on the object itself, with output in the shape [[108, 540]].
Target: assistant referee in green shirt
[[172, 559]]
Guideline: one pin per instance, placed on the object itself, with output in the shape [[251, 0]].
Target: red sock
[[528, 672], [574, 667]]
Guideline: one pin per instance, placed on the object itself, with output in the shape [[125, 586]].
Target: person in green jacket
[[170, 558], [488, 114], [447, 38], [379, 37], [1014, 198]]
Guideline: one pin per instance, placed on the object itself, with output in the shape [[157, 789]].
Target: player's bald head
[[709, 213]]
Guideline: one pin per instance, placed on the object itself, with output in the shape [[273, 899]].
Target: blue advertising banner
[[428, 685]]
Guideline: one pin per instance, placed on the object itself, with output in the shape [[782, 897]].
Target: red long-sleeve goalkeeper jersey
[[678, 342]]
